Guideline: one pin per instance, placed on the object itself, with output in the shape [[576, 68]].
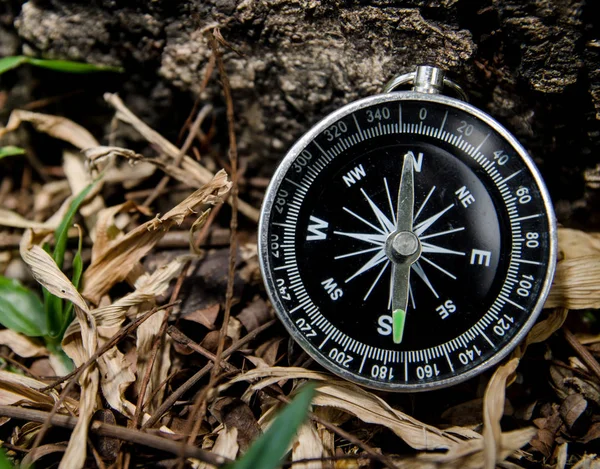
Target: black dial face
[[407, 242]]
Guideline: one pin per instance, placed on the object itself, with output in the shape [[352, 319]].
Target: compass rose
[[380, 224]]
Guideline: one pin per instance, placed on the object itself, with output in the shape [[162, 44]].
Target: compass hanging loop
[[426, 79]]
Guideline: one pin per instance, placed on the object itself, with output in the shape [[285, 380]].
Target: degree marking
[[443, 121], [509, 177], [481, 144], [528, 217], [523, 261]]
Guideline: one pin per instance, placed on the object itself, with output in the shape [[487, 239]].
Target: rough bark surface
[[533, 64]]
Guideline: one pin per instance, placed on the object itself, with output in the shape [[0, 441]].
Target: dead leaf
[[55, 126], [235, 413], [191, 172], [255, 314], [366, 406], [16, 388], [206, 316], [493, 409], [41, 451], [571, 409], [226, 446], [14, 220], [108, 448], [115, 263], [307, 444], [22, 345], [548, 427]]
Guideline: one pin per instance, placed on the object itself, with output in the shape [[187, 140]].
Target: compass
[[407, 241]]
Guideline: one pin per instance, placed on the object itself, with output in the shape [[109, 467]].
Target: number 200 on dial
[[412, 199]]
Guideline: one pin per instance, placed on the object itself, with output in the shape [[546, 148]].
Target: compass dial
[[407, 241]]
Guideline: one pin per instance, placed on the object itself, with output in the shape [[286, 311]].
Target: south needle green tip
[[398, 320]]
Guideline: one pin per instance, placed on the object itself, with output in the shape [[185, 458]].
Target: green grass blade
[[77, 271], [8, 63], [61, 233], [54, 306], [11, 150], [4, 461], [70, 66], [20, 309], [268, 451]]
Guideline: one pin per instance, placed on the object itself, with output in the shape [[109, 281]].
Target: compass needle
[[403, 200]]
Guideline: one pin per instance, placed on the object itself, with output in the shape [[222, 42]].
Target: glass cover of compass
[[407, 241]]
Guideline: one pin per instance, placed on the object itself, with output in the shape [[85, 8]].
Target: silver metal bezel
[[297, 149]]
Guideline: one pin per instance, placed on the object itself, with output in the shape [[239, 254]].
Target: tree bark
[[532, 64]]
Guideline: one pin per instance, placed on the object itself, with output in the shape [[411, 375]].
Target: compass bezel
[[267, 208]]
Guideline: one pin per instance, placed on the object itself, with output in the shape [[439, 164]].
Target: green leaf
[[20, 309], [8, 63], [70, 66], [4, 461], [77, 271], [10, 150], [56, 315], [268, 451]]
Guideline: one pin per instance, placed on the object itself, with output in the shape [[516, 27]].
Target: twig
[[186, 146], [181, 390], [156, 345], [582, 352], [76, 374], [198, 409], [115, 339], [182, 338], [202, 176], [115, 431]]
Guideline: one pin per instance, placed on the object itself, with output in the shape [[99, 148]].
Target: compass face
[[407, 242]]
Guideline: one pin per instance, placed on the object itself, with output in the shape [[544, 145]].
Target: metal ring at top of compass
[[433, 83]]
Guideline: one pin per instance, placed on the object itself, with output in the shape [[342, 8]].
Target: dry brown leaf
[[542, 330], [362, 404], [16, 388], [22, 345], [571, 409], [576, 243], [95, 155], [115, 263], [560, 455], [146, 336], [588, 461], [14, 220], [117, 373], [191, 172], [55, 126], [226, 446], [47, 273], [576, 284], [79, 179], [493, 409], [469, 454], [33, 456], [307, 444]]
